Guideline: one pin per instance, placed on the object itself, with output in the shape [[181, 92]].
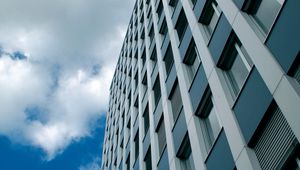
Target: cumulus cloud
[[53, 92]]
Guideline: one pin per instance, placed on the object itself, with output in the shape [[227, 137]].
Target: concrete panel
[[252, 104], [220, 156], [163, 163], [198, 87], [179, 131], [185, 42], [284, 39], [219, 38]]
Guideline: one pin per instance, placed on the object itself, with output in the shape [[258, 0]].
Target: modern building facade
[[207, 84]]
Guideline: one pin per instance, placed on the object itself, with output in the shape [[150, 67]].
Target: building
[[207, 85]]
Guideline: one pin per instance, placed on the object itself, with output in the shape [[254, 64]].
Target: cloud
[[57, 59], [93, 165]]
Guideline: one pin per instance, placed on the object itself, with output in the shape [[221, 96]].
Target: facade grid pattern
[[200, 83]]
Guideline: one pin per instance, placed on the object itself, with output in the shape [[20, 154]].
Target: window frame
[[211, 8], [251, 7], [190, 57], [232, 50], [207, 107]]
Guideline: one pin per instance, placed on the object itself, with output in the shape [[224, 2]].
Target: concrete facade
[[206, 85]]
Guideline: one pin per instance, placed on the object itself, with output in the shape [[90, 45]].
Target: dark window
[[161, 136], [136, 80], [210, 16], [181, 25], [237, 65], [148, 160], [151, 35], [146, 119], [143, 57], [210, 123], [168, 59], [159, 10], [264, 12], [128, 162], [192, 60], [193, 2], [185, 155], [136, 143], [144, 86], [176, 101], [164, 30], [156, 90]]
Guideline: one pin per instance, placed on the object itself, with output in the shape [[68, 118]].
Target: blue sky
[[57, 59]]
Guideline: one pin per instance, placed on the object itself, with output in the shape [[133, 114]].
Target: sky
[[57, 59]]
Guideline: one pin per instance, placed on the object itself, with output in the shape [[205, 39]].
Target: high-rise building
[[207, 85]]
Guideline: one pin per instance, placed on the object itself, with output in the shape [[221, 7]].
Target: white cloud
[[63, 40], [93, 165]]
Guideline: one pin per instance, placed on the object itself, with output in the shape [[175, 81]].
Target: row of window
[[236, 65]]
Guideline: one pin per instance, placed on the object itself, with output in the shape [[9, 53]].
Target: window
[[153, 59], [164, 30], [168, 59], [237, 65], [144, 85], [128, 162], [192, 60], [173, 4], [193, 2], [295, 69], [274, 142], [136, 77], [143, 57], [181, 25], [151, 35], [210, 16], [159, 10], [264, 12], [176, 101], [156, 90], [210, 123], [161, 136], [185, 155], [146, 119], [136, 146], [148, 160]]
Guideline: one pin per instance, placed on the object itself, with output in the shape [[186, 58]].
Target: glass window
[[210, 17], [144, 85], [159, 9], [161, 136], [128, 163], [192, 61], [239, 69], [136, 143], [211, 125], [164, 30], [181, 25], [185, 155], [148, 160], [193, 2], [151, 35], [265, 12], [146, 120], [156, 89], [168, 59], [176, 101]]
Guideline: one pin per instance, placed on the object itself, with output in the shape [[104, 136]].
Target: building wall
[[270, 83]]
